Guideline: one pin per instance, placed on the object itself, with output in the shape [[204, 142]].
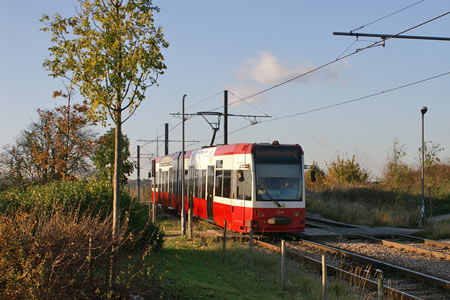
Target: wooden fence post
[[380, 287], [324, 278], [190, 225], [283, 265], [250, 260], [224, 238]]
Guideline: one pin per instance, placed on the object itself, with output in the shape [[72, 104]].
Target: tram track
[[430, 248], [363, 271], [400, 283], [421, 261], [438, 254]]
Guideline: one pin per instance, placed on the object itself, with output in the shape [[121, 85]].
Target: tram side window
[[219, 183], [244, 184], [191, 181], [170, 181], [186, 179], [161, 182], [227, 183], [174, 181], [158, 180], [202, 196], [166, 181], [197, 185]]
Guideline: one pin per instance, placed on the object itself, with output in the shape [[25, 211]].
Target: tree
[[346, 171], [111, 50], [431, 158], [319, 174], [396, 170], [103, 157], [56, 147]]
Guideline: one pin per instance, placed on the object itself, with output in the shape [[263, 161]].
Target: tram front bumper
[[279, 220]]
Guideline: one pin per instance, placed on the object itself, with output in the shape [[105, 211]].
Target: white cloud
[[268, 69], [265, 70], [243, 90]]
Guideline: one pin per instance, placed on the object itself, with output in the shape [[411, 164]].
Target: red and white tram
[[251, 186]]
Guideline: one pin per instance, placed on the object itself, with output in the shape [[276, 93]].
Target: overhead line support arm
[[393, 36]]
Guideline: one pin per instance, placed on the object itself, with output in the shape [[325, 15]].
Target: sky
[[247, 47]]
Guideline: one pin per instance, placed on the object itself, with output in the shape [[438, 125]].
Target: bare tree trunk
[[116, 198], [117, 170]]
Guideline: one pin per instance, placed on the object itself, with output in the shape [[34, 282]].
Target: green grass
[[439, 230], [367, 212], [168, 221], [373, 211], [197, 269]]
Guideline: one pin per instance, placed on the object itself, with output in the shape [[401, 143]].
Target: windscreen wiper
[[270, 197], [276, 202], [273, 200]]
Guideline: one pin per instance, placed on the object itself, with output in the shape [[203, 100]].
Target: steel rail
[[380, 264], [368, 283], [396, 245], [425, 241], [405, 236], [331, 222]]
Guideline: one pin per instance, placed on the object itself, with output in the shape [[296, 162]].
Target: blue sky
[[249, 46]]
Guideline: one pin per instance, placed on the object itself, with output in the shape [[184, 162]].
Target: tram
[[257, 187]]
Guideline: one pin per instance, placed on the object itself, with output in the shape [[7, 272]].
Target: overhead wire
[[150, 132], [387, 16], [351, 45], [249, 104], [161, 125], [375, 44], [201, 101], [347, 101]]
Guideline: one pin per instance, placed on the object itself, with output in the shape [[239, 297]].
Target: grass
[[168, 221], [197, 269], [368, 212], [375, 211], [439, 230]]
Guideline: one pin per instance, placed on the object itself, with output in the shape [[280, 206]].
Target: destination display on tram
[[278, 154]]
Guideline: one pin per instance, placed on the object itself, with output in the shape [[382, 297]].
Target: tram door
[[159, 187], [190, 193], [209, 195]]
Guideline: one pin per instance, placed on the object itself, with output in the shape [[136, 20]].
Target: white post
[[380, 287], [324, 278], [250, 260], [183, 192], [283, 265]]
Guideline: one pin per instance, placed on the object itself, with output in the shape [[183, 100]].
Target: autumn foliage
[[56, 147], [53, 256], [55, 239]]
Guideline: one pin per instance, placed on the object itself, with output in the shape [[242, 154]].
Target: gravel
[[411, 260]]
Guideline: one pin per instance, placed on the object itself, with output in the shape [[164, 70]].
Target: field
[[198, 269], [373, 206]]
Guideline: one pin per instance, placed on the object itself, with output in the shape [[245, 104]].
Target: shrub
[[54, 256], [346, 171], [396, 170], [320, 177], [45, 233]]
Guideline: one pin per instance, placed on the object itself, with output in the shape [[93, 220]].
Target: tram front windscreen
[[279, 175]]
